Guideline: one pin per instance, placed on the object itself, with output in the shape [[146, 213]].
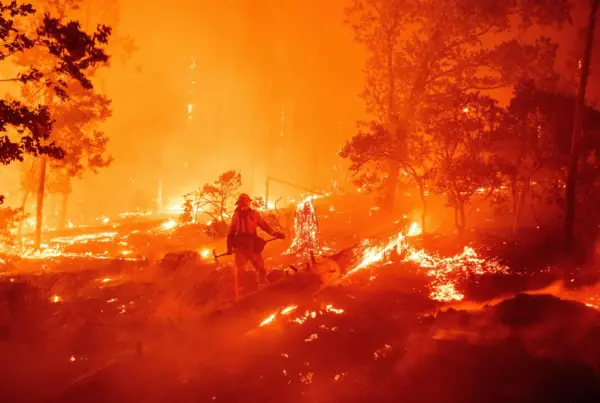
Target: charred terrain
[[410, 316], [428, 172]]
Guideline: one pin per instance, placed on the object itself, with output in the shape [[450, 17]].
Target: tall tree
[[55, 55], [461, 127], [75, 132], [420, 50], [577, 127], [532, 144]]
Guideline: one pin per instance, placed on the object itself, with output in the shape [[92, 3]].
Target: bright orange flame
[[168, 225], [444, 272], [414, 230]]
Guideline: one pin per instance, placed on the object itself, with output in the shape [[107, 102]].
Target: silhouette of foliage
[[68, 52]]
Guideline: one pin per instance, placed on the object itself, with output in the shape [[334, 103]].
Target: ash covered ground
[[104, 316]]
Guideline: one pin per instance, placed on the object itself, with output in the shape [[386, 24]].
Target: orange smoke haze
[[269, 88]]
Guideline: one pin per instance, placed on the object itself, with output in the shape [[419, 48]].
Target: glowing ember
[[56, 299], [312, 337], [106, 279], [593, 302], [205, 253], [289, 309], [306, 230], [270, 319], [330, 308], [72, 358]]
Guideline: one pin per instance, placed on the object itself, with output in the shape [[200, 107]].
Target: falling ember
[[106, 279], [270, 319], [56, 299], [72, 358], [289, 309], [306, 230]]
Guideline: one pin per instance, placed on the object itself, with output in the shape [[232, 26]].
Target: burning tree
[[423, 50], [306, 230]]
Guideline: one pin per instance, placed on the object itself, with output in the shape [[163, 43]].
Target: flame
[[306, 237], [445, 273], [301, 318], [414, 230], [168, 225], [205, 253]]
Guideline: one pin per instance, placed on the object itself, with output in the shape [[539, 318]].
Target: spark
[[289, 309], [269, 319], [56, 299]]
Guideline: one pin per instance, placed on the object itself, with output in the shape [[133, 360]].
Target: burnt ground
[[390, 343], [135, 331]]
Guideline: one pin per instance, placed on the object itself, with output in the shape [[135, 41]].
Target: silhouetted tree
[[461, 129], [68, 53], [370, 146], [420, 50], [532, 144], [214, 199]]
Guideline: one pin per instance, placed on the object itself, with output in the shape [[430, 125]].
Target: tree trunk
[[459, 217], [391, 184], [23, 205], [40, 203], [577, 128], [62, 221], [424, 204]]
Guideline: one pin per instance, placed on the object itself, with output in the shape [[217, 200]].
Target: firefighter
[[245, 243]]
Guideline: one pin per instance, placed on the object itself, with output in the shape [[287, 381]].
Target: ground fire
[[334, 201]]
